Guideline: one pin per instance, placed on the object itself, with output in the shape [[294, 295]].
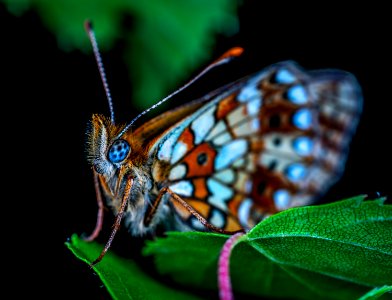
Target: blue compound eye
[[118, 151]]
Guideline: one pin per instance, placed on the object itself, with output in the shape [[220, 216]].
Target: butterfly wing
[[273, 140]]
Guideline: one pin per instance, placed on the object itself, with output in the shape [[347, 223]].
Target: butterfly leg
[[182, 202], [117, 222], [98, 225]]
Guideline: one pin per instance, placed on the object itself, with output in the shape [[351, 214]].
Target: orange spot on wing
[[256, 144], [232, 224], [226, 105], [201, 191], [187, 138], [194, 159], [201, 207], [181, 210], [234, 204]]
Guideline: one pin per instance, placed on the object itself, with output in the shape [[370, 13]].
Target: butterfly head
[[106, 151]]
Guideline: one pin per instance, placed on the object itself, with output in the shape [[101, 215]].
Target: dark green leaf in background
[[171, 39], [167, 39]]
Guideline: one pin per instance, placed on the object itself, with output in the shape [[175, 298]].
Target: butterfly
[[272, 140]]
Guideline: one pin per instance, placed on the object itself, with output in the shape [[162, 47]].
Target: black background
[[49, 95]]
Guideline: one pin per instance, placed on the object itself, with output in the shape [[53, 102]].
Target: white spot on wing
[[177, 172], [229, 153], [297, 94], [203, 124], [282, 199], [278, 143], [247, 128], [182, 188], [219, 194], [243, 212], [179, 150], [302, 118], [217, 219], [283, 76], [218, 128], [296, 171], [226, 176], [249, 92], [303, 145], [253, 107], [236, 116], [222, 139], [166, 148]]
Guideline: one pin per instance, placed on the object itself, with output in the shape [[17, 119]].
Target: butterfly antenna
[[90, 31], [225, 58]]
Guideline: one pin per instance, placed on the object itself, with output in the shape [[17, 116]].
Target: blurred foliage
[[164, 42]]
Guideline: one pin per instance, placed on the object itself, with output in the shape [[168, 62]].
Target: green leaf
[[123, 278], [376, 293], [167, 41], [346, 240], [333, 251]]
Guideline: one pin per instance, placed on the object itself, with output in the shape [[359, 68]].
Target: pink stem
[[224, 283]]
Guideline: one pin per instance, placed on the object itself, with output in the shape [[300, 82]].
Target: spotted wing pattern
[[274, 140]]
